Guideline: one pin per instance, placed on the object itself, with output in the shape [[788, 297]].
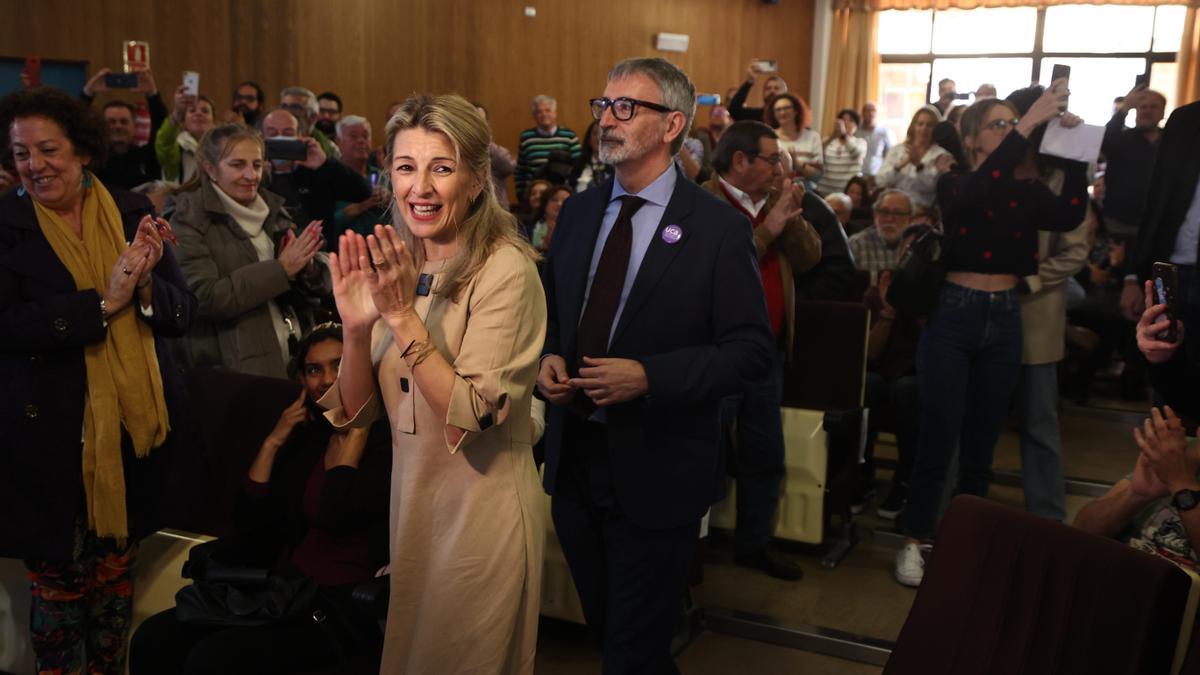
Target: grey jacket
[[234, 326]]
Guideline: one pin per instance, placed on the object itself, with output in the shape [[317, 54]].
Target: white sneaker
[[910, 566]]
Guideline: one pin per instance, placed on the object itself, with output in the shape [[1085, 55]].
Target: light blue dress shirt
[[645, 224]]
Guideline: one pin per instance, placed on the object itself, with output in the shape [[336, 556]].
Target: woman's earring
[[87, 180]]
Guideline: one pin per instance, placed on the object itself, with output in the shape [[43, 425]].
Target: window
[[1107, 47]]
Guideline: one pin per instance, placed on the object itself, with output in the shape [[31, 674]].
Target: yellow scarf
[[124, 384]]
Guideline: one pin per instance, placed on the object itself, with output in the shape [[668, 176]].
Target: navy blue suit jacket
[[696, 318], [45, 323]]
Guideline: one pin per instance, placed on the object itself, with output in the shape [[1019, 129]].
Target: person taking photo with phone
[[969, 355], [128, 164], [309, 180]]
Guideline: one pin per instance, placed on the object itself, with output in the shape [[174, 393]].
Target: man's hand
[[553, 380], [752, 71], [1134, 98], [146, 83], [1132, 301], [791, 196], [1145, 483], [316, 154], [1164, 445], [96, 85], [611, 381], [1150, 325]]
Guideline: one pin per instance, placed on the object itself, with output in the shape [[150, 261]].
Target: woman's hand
[[292, 415], [1150, 325], [150, 240], [1047, 107], [183, 101], [1070, 119], [296, 253], [394, 281], [350, 269], [944, 163], [122, 281]]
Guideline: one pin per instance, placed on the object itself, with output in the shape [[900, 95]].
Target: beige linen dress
[[467, 528]]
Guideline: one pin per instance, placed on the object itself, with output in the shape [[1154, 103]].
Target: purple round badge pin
[[672, 234]]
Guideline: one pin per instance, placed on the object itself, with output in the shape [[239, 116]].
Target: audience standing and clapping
[[353, 134], [773, 87], [749, 166], [249, 102], [912, 165], [879, 141], [789, 116], [329, 111], [303, 105], [843, 156]]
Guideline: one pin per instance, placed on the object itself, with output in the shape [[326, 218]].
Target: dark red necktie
[[605, 295]]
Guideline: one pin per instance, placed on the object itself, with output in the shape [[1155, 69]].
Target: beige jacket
[[1044, 308], [234, 328], [799, 251]]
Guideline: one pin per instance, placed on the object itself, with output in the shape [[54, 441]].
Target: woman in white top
[[788, 115], [910, 166], [843, 153]]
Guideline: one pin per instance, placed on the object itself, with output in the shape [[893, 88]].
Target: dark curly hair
[[79, 122]]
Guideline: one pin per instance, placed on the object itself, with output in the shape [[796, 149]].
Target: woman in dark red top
[[970, 352], [314, 503]]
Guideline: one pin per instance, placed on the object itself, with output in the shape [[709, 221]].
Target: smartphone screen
[[766, 65], [1165, 282], [191, 80], [1059, 72], [286, 148], [121, 80]]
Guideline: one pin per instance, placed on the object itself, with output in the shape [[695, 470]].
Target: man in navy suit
[[656, 312]]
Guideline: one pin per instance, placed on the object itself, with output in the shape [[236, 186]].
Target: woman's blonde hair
[[487, 224], [215, 145], [972, 122], [912, 124]]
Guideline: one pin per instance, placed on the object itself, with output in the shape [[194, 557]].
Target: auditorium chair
[[824, 429], [1006, 592]]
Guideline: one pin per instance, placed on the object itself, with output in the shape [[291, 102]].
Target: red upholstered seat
[[1006, 592]]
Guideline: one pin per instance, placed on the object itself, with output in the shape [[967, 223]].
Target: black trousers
[[631, 580]]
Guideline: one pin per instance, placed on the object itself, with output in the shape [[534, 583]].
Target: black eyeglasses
[[623, 107], [774, 159], [1001, 125]]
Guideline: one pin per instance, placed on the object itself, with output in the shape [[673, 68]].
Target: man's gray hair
[[841, 198], [678, 92], [311, 104], [351, 121], [883, 195], [540, 99]]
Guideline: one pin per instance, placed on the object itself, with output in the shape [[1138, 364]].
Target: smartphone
[[191, 80], [766, 65], [961, 97], [121, 80], [1166, 280], [374, 180], [286, 148], [708, 99], [1141, 80], [1060, 72], [33, 70]]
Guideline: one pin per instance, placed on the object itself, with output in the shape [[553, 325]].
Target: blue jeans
[[967, 365], [758, 459], [1041, 441]]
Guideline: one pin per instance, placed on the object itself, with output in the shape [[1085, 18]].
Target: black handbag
[[224, 594], [918, 277]]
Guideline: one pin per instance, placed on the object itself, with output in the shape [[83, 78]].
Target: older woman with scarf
[[90, 390]]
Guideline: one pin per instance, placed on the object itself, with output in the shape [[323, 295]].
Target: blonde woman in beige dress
[[444, 320]]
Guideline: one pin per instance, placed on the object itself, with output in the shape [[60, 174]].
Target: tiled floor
[[859, 596]]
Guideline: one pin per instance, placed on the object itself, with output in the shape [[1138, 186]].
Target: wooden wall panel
[[373, 52]]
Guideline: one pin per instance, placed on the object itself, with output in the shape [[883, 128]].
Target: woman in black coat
[[88, 293]]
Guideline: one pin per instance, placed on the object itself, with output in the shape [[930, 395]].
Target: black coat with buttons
[[45, 323]]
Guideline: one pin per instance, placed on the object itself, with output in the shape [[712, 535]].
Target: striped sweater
[[535, 149]]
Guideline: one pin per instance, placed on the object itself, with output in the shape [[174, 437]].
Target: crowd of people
[[636, 303]]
